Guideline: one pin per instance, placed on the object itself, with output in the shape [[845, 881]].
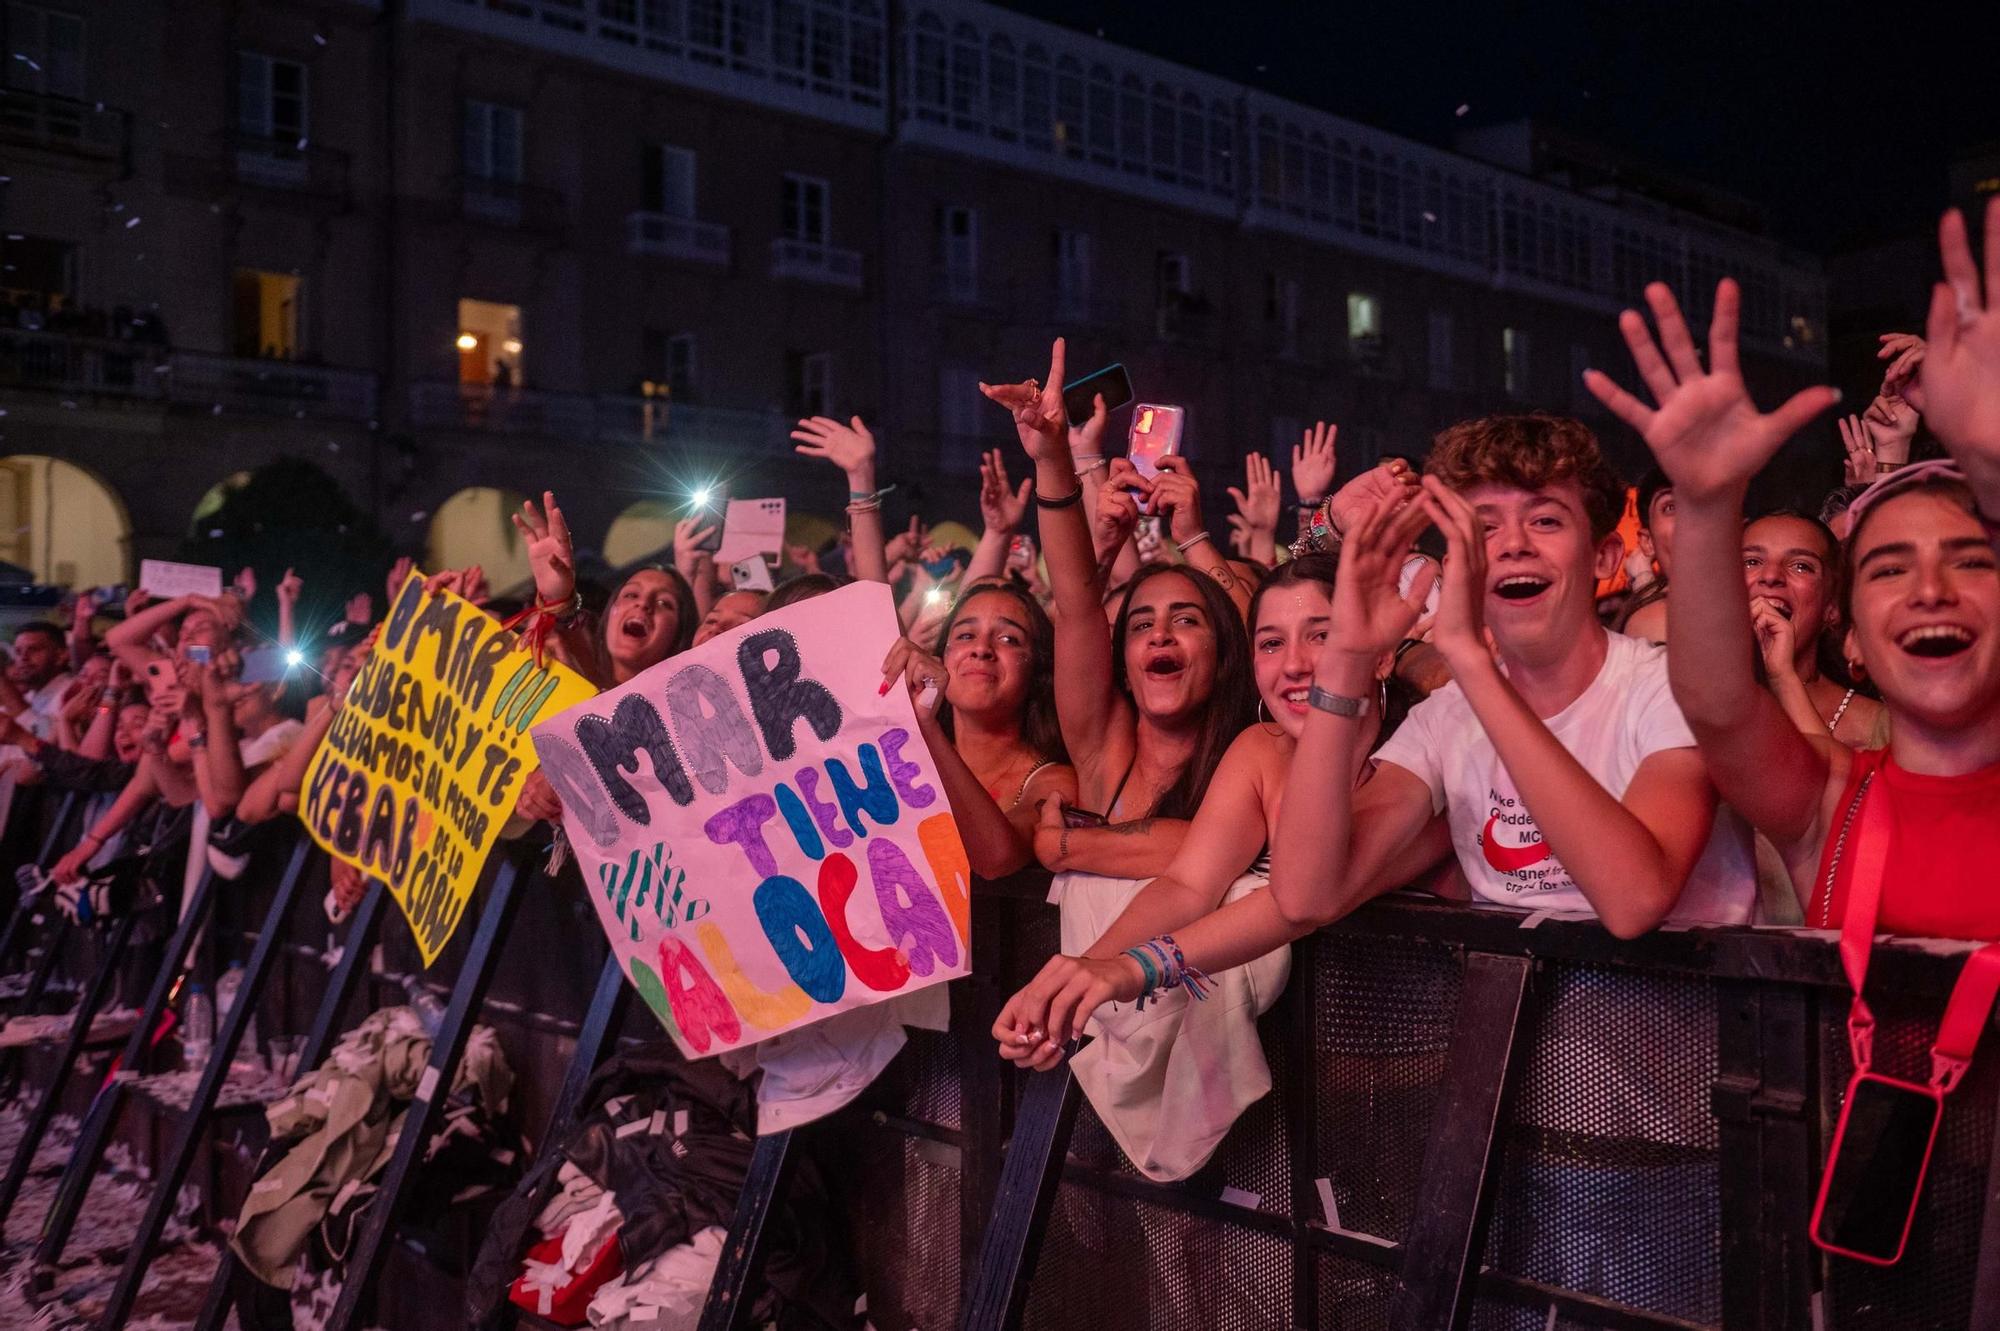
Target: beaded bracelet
[[1192, 541], [1164, 967]]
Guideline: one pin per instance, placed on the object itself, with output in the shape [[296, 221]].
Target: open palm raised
[[1708, 435]]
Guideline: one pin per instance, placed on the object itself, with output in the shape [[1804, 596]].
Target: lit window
[[267, 314], [489, 343], [1364, 318], [1514, 351]]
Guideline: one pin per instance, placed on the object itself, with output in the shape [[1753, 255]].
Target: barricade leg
[[194, 1119], [427, 1110], [1455, 1194], [1986, 1283], [605, 1014], [347, 975], [72, 1050], [1028, 1182], [103, 1113], [53, 938], [740, 1272]]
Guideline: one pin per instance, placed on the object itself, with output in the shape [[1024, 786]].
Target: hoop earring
[[1262, 719]]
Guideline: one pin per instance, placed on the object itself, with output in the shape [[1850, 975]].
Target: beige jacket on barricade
[[1170, 1080]]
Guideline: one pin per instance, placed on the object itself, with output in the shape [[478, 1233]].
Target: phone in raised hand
[[1079, 396], [1155, 434]]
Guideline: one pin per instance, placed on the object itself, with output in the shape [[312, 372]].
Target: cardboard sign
[[425, 759], [166, 580], [752, 527], [762, 828]]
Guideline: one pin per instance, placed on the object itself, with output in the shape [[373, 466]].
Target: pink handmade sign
[[762, 828]]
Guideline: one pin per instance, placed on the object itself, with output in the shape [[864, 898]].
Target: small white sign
[[165, 579]]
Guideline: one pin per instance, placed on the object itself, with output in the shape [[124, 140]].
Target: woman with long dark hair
[[987, 709], [1169, 1080]]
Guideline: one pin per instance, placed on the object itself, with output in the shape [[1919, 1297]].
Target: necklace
[[1839, 712]]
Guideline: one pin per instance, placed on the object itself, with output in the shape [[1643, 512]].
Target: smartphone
[[1021, 552], [1075, 817], [710, 509], [263, 665], [1156, 433], [1111, 381], [198, 654], [1875, 1173], [750, 575]]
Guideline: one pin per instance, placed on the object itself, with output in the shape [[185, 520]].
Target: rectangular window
[[44, 51], [493, 142], [1176, 275], [1514, 350], [1364, 320], [267, 314], [1443, 351], [804, 210], [669, 185], [670, 365], [814, 384], [490, 350], [1072, 249], [270, 99], [958, 250]]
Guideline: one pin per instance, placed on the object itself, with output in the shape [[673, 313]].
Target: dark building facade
[[460, 250]]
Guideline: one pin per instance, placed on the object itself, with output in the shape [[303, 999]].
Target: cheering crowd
[[1119, 714]]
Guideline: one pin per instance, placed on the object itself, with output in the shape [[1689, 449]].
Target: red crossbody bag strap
[[1972, 996]]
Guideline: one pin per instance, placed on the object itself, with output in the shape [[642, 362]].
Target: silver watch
[[1337, 704]]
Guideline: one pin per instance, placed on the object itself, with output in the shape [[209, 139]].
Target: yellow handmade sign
[[425, 758]]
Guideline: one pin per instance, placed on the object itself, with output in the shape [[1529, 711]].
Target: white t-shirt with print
[[1625, 716]]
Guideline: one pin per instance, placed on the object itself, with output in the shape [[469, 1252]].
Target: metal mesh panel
[[1610, 1182], [901, 1198], [923, 1082], [1382, 1014], [1353, 1296], [1932, 1286], [1116, 1264]]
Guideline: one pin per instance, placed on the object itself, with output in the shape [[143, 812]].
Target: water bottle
[[197, 1027], [226, 990], [429, 1007]]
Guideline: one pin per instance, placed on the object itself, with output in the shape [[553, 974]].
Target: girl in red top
[[1924, 589]]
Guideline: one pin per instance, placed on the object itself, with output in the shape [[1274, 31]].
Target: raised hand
[[1177, 498], [361, 608], [689, 533], [538, 801], [1087, 440], [1961, 380], [245, 584], [1314, 462], [399, 573], [1460, 632], [1390, 482], [1892, 423], [1905, 354], [1002, 505], [1037, 408], [849, 447], [1258, 501], [1371, 614], [1859, 443], [551, 553], [289, 589], [1117, 515], [1707, 434], [904, 545]]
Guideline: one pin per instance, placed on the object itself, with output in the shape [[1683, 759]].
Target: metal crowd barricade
[[1481, 1119]]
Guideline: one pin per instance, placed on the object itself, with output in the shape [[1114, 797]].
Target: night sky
[[1840, 119]]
